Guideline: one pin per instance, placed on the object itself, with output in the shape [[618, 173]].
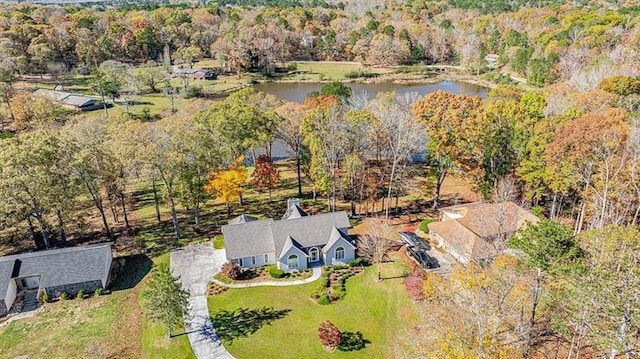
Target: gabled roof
[[291, 243], [243, 218], [309, 231], [58, 266], [335, 236], [477, 225], [66, 98], [488, 220], [294, 211], [248, 239]]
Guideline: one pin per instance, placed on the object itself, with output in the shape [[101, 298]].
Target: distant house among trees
[[54, 271], [70, 100], [478, 231], [195, 74], [296, 242]]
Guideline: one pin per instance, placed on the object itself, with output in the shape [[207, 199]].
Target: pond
[[298, 91]]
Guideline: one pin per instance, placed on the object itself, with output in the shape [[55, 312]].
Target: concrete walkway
[[316, 272], [195, 265]]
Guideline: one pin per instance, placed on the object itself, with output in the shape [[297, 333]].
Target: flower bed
[[215, 289], [263, 274], [331, 286]]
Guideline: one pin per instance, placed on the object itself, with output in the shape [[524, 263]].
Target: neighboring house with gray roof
[[54, 271], [70, 100], [295, 242]]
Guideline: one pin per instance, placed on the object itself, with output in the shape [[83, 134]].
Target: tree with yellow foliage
[[228, 184], [475, 313]]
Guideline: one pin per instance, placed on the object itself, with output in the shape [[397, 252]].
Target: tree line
[[51, 172], [545, 44]]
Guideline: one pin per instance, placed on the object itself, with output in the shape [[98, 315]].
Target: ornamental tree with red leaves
[[414, 284], [329, 335]]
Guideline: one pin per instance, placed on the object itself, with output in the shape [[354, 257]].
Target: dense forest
[[546, 45], [566, 144]]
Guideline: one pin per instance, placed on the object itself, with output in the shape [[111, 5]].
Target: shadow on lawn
[[352, 341], [242, 322], [130, 271]]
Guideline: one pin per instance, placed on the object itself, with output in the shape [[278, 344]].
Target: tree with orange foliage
[[590, 154], [265, 176], [227, 184], [454, 126]]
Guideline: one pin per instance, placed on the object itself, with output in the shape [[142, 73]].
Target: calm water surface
[[298, 91]]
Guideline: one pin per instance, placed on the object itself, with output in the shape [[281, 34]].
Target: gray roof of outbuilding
[[58, 266], [79, 101], [248, 239], [308, 231], [67, 98]]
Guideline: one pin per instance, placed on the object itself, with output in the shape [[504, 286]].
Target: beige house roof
[[472, 229]]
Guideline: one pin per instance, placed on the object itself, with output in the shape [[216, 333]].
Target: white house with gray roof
[[54, 271], [295, 242]]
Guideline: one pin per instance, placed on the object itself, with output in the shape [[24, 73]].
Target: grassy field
[[109, 326], [282, 322]]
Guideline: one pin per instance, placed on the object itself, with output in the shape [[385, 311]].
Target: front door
[[313, 255], [30, 282]]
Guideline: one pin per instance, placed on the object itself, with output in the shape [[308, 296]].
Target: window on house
[[240, 262], [253, 260], [292, 261], [266, 258], [339, 253]]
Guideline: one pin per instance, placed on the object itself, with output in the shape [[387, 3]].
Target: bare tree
[[402, 134], [375, 243]]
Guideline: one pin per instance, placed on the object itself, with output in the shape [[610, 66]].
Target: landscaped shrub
[[99, 291], [231, 269], [359, 73], [339, 291], [218, 242], [424, 225], [356, 262], [45, 297], [64, 295], [324, 300], [414, 283], [351, 341], [193, 91], [80, 294], [329, 335], [274, 272], [340, 266]]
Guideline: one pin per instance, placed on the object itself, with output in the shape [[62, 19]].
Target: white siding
[[11, 294]]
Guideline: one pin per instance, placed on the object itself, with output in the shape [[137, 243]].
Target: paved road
[[195, 265], [316, 273]]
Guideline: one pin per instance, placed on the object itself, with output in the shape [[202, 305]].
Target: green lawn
[[109, 326], [287, 328]]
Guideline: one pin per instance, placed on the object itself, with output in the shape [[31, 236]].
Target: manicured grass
[[109, 326], [287, 328], [218, 242]]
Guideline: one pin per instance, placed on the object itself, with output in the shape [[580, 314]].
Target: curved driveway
[[195, 265]]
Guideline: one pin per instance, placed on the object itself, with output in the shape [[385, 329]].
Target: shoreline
[[412, 78]]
